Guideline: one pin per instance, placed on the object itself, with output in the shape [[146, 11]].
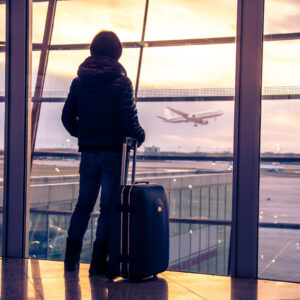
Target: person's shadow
[[152, 288]]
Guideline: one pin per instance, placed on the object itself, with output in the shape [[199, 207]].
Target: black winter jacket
[[100, 110]]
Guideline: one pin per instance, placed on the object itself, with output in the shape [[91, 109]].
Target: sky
[[182, 68]]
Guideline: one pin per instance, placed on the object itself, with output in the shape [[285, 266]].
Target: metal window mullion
[[141, 50], [247, 138], [17, 129]]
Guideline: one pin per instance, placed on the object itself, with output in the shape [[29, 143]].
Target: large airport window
[[185, 102], [279, 210]]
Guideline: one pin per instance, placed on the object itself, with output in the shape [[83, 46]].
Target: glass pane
[[279, 210], [174, 206], [278, 254], [63, 66], [2, 74], [35, 66], [51, 133], [2, 22], [39, 12], [221, 202], [188, 70], [196, 202], [185, 210], [182, 19], [280, 67], [205, 196], [281, 16], [78, 21]]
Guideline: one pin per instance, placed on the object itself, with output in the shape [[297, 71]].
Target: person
[[100, 111]]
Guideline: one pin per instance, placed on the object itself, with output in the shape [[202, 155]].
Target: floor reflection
[[152, 288], [241, 288], [40, 279], [13, 279], [36, 278], [72, 286]]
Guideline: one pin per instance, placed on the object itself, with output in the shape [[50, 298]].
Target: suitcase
[[139, 226]]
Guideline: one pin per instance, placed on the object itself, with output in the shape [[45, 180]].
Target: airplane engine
[[204, 122]]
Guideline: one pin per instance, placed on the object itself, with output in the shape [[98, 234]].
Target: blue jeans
[[97, 169]]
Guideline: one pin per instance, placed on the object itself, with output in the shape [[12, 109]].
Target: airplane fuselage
[[199, 117], [196, 118]]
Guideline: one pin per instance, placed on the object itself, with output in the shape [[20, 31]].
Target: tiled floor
[[36, 279]]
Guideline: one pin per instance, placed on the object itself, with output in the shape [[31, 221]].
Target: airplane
[[272, 168], [268, 168], [182, 117]]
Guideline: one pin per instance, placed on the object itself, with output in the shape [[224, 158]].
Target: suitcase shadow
[[152, 288]]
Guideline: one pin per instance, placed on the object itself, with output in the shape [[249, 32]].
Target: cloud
[[177, 19], [78, 21], [282, 16]]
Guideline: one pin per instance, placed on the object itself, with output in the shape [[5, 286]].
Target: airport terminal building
[[217, 90]]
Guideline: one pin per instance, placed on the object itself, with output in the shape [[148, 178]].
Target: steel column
[[247, 138], [17, 130]]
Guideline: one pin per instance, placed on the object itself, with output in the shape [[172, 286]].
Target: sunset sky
[[211, 66]]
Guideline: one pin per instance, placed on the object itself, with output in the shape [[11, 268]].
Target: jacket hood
[[100, 70]]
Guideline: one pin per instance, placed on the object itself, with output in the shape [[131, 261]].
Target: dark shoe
[[72, 255], [99, 259]]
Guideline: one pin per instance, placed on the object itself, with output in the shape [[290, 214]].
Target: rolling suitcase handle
[[129, 144]]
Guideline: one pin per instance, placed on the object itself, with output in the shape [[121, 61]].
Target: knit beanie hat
[[106, 43]]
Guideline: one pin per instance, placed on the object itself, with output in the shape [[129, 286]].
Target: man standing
[[100, 111]]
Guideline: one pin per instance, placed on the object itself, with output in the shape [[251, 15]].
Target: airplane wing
[[162, 118], [178, 112]]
